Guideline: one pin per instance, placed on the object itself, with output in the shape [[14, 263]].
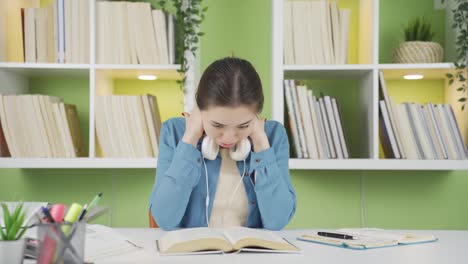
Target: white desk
[[452, 247]]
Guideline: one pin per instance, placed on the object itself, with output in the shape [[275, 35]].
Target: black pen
[[335, 235]]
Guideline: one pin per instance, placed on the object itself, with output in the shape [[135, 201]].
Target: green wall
[[326, 199]]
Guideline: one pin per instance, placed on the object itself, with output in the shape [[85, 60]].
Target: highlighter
[[72, 216], [57, 211]]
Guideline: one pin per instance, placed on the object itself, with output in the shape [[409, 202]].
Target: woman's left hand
[[258, 135]]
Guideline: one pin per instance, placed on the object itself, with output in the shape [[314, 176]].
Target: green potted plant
[[11, 235], [459, 78], [418, 46]]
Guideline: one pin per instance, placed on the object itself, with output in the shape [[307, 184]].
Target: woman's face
[[228, 125]]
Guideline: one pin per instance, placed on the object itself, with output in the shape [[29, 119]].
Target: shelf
[[294, 164], [377, 164], [429, 71], [77, 163], [341, 71], [398, 66], [137, 66], [46, 69], [163, 72]]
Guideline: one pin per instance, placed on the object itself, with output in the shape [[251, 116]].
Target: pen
[[91, 205], [94, 201], [335, 235], [83, 212]]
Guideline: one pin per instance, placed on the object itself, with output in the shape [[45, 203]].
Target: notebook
[[203, 240], [367, 238]]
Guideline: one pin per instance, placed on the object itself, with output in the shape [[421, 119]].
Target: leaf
[[6, 216], [21, 233], [17, 212], [16, 226], [463, 99], [463, 107], [460, 89], [449, 75], [450, 81]]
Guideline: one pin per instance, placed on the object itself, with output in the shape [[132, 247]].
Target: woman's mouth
[[226, 145]]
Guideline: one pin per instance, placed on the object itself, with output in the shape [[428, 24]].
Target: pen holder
[[61, 242]]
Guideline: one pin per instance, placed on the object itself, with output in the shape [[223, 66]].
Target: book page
[[103, 242], [242, 237], [386, 234], [194, 239], [361, 242]]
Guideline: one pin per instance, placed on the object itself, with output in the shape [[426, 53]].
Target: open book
[[203, 240], [366, 238]]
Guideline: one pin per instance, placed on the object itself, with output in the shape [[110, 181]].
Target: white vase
[[12, 251]]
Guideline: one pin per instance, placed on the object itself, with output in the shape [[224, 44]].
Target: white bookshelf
[[15, 78], [366, 72], [62, 163]]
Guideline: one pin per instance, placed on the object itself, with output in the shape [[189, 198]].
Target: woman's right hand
[[193, 126]]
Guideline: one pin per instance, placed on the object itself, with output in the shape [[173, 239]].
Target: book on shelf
[[393, 133], [428, 132], [314, 125], [203, 240], [387, 135], [414, 131], [39, 126], [128, 126], [315, 32], [365, 238], [133, 33], [55, 33]]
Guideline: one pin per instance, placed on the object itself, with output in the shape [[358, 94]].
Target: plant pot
[[12, 251], [418, 52]]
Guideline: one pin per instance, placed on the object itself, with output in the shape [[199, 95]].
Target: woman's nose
[[229, 136]]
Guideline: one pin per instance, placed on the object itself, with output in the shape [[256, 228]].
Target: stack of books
[[414, 131], [128, 126], [315, 32], [55, 33], [315, 124], [39, 126], [132, 33]]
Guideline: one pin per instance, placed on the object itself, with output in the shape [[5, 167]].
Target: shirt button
[[198, 160], [252, 202], [257, 160], [246, 174]]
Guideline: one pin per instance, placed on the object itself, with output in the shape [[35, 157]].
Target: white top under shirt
[[235, 213]]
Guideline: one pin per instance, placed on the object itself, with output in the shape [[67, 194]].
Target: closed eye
[[243, 127]]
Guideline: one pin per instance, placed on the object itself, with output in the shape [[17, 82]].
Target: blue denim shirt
[[179, 193]]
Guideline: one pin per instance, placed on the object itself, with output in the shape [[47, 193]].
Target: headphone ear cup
[[209, 148], [241, 150]]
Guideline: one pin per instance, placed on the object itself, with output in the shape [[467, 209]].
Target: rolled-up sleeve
[[177, 173], [276, 197]]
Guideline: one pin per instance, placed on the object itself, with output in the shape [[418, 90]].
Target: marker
[[57, 211], [71, 217]]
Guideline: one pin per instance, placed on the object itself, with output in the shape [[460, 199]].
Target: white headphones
[[210, 150], [239, 152]]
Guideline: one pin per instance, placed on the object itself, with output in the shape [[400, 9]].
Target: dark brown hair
[[230, 82]]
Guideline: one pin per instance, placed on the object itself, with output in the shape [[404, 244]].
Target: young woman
[[222, 165]]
